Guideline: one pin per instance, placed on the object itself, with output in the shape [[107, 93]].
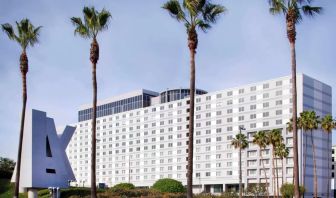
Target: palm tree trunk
[[192, 44], [273, 173], [277, 176], [263, 165], [94, 55], [328, 187], [314, 160], [282, 172], [305, 161], [24, 70], [291, 34], [240, 175]]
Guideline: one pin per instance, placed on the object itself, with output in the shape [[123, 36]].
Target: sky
[[145, 48]]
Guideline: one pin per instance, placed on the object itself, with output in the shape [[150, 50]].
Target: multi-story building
[[143, 136], [332, 171]]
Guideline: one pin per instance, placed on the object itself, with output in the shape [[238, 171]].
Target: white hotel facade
[[143, 136]]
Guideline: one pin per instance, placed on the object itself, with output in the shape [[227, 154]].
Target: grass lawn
[[7, 189]]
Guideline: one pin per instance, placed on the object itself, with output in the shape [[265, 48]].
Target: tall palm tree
[[327, 125], [274, 139], [304, 129], [260, 139], [27, 35], [240, 142], [282, 152], [312, 123], [195, 14], [93, 23], [293, 10]]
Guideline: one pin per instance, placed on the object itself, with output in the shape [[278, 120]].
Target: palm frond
[[203, 25], [103, 19], [277, 7], [8, 29], [175, 10], [191, 6], [311, 11], [80, 28], [212, 11]]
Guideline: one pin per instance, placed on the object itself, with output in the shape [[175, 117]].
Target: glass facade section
[[127, 104], [177, 94]]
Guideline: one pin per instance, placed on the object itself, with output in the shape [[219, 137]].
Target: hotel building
[[143, 136]]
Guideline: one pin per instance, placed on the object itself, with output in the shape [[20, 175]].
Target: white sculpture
[[44, 162]]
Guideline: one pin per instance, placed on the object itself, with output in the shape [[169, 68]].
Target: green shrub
[[229, 194], [169, 186], [76, 191], [45, 193], [287, 190], [122, 186]]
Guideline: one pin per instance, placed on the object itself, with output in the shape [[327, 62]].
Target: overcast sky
[[145, 48]]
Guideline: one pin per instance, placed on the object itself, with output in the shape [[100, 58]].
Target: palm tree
[[194, 14], [27, 35], [93, 23], [327, 125], [282, 152], [303, 122], [274, 139], [293, 10], [312, 123], [260, 139], [240, 142]]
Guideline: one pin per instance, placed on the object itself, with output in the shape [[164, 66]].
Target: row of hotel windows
[[198, 116], [83, 114], [250, 172]]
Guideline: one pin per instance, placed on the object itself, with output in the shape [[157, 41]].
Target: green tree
[[27, 35], [274, 139], [287, 190], [240, 142], [93, 23], [282, 152], [327, 125], [261, 140], [293, 10], [195, 14]]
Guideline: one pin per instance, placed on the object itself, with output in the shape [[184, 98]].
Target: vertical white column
[[32, 193]]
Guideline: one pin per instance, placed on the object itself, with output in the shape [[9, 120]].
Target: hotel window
[[208, 132], [253, 125], [208, 106], [219, 96], [241, 109], [229, 102], [278, 83], [229, 137], [229, 111], [253, 107], [207, 174], [266, 95], [266, 104], [218, 113], [229, 93], [208, 98], [218, 139], [240, 118], [241, 100], [266, 123], [229, 120], [228, 155], [265, 86], [278, 93], [278, 102], [252, 98], [266, 114], [253, 116], [278, 122], [241, 91], [229, 128], [218, 130], [208, 140], [228, 173], [253, 88], [208, 115]]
